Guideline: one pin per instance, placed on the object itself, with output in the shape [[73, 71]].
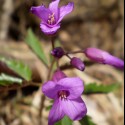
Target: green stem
[[50, 69], [66, 54], [75, 52], [43, 98], [53, 42]]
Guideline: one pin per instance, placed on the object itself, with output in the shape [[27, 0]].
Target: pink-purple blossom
[[66, 93], [103, 57], [51, 16]]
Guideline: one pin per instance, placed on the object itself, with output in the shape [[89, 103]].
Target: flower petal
[[58, 75], [56, 113], [64, 10], [73, 85], [41, 11], [113, 61], [75, 109], [53, 6], [49, 89], [49, 30]]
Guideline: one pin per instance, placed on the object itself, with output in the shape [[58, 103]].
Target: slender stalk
[[57, 62], [50, 69], [53, 42], [66, 54], [75, 52], [43, 98]]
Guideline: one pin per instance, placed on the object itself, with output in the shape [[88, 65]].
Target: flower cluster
[[93, 54], [65, 91]]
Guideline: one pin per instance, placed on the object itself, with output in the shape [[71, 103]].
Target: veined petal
[[64, 10], [73, 85], [49, 89], [53, 6], [41, 11], [49, 30], [75, 109], [56, 113]]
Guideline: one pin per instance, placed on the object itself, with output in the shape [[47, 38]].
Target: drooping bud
[[103, 57], [77, 63], [58, 75], [57, 52]]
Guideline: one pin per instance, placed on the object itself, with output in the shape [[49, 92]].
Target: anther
[[63, 94], [49, 22], [51, 19]]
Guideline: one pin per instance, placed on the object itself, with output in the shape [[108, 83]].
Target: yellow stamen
[[51, 19]]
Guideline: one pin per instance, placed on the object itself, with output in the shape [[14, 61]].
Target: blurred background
[[95, 23]]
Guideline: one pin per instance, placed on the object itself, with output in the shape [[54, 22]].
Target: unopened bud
[[57, 52], [103, 57], [77, 63]]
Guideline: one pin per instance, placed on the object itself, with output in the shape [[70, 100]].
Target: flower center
[[51, 19], [63, 94]]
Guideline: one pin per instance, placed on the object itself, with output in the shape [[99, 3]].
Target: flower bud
[[77, 63], [57, 52], [103, 57]]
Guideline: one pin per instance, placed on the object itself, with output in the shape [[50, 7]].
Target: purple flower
[[52, 16], [66, 93], [104, 57], [57, 52], [77, 63]]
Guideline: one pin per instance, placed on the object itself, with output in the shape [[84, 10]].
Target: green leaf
[[58, 123], [8, 80], [48, 107], [65, 121], [86, 121], [100, 88], [34, 44], [19, 68]]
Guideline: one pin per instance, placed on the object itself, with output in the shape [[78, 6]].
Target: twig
[[16, 87], [41, 108]]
